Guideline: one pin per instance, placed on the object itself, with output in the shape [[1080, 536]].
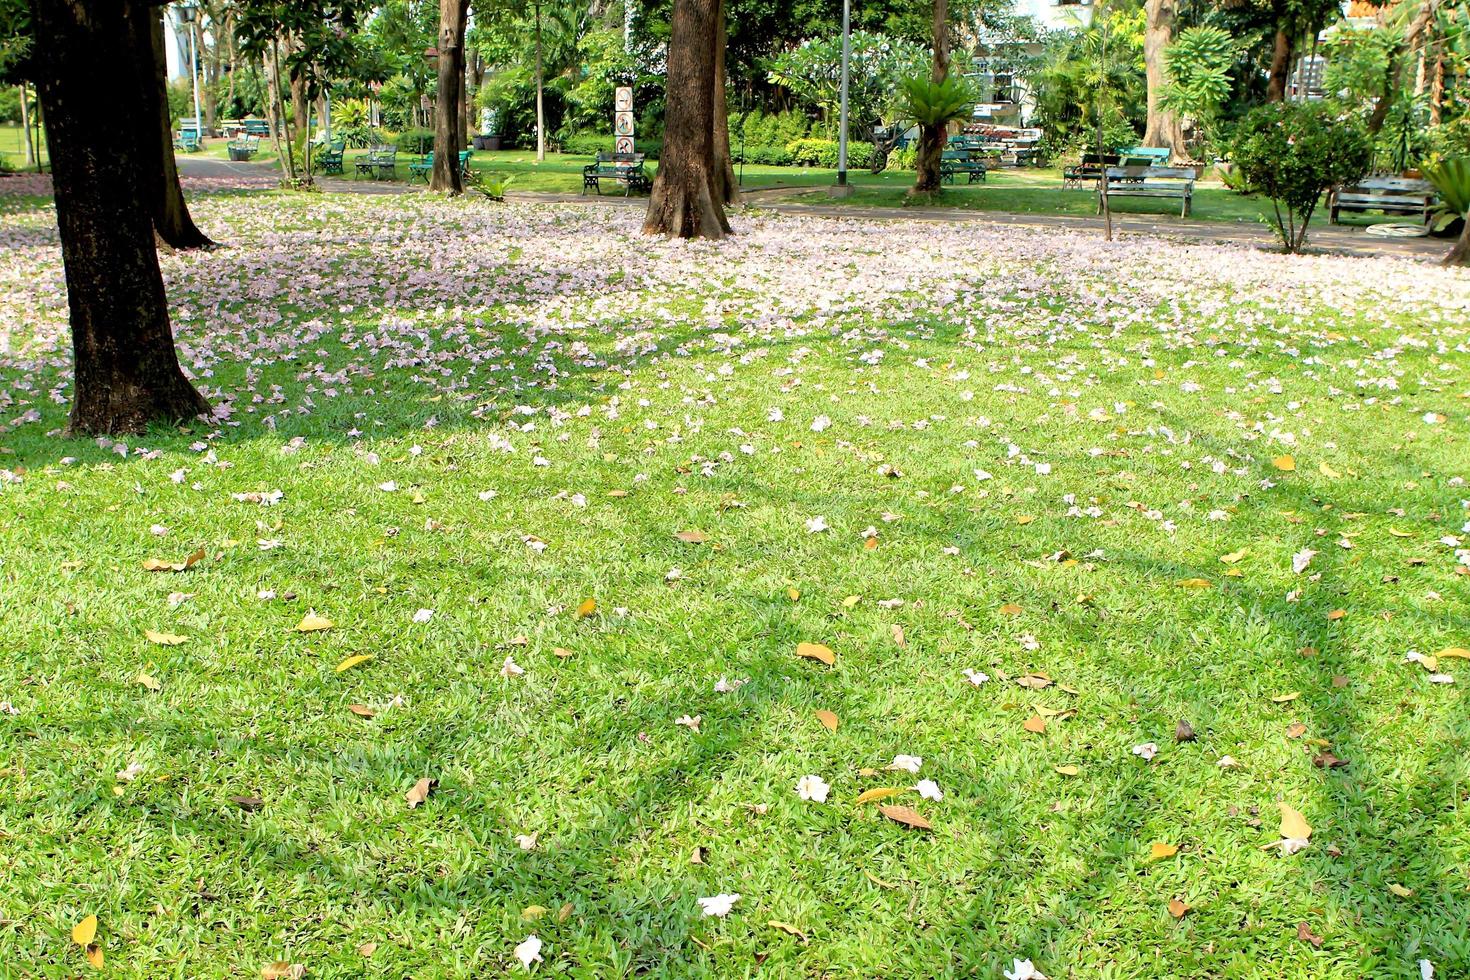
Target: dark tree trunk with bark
[[1163, 127], [171, 219], [1460, 254], [1279, 75], [727, 187], [932, 137], [683, 204], [126, 372], [448, 116]]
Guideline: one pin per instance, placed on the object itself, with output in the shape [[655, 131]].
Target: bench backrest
[[1099, 159], [1152, 173], [1389, 186], [1159, 153]]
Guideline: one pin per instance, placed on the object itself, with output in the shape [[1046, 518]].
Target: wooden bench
[[1391, 195], [380, 163], [1090, 168], [329, 157], [625, 168], [1161, 182], [952, 162], [425, 166]]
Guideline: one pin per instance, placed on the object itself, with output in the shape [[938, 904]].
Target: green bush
[[1292, 152], [590, 144], [358, 135], [9, 104], [811, 152], [415, 141], [764, 156]]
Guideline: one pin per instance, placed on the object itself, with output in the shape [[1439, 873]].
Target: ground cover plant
[[947, 596]]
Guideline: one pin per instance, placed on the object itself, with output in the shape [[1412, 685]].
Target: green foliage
[[347, 113], [493, 185], [1357, 63], [813, 152], [358, 136], [414, 141], [180, 100], [1198, 66], [758, 128], [9, 104], [931, 103], [1451, 180], [1292, 152], [1075, 83], [812, 71]]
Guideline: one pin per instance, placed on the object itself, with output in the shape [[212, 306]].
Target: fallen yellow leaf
[[1010, 609], [1234, 556], [787, 928], [1194, 583], [1328, 471], [587, 608], [95, 959], [164, 639], [1068, 770], [827, 718], [312, 623], [1289, 696], [1159, 850], [85, 931], [533, 912], [816, 651], [1400, 890], [160, 565], [353, 661], [1177, 908], [1284, 463], [879, 793], [1459, 652], [148, 681], [1294, 826]]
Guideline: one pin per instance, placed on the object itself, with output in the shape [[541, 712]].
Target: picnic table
[[1150, 181], [967, 162], [625, 168], [1391, 195], [379, 163]]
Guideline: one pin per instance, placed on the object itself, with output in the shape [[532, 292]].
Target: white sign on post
[[624, 125]]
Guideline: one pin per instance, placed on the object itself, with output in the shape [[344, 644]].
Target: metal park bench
[[1158, 182], [1391, 195], [625, 168], [380, 163], [952, 162]]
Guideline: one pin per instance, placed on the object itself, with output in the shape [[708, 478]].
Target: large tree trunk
[[171, 219], [932, 137], [1163, 128], [447, 114], [1460, 254], [727, 187], [1279, 74], [683, 204], [126, 373], [300, 110]]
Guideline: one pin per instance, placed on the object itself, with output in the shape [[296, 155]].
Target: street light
[[188, 14], [843, 189]]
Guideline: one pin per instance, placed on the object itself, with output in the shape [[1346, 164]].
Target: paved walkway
[[1333, 239]]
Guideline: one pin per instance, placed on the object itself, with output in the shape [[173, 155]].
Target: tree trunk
[[126, 373], [1163, 128], [299, 108], [540, 100], [25, 126], [1460, 254], [171, 219], [1279, 75], [932, 137], [476, 66], [211, 108], [727, 187], [447, 114], [683, 204], [1436, 84]]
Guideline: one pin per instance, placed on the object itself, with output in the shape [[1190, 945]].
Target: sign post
[[624, 125]]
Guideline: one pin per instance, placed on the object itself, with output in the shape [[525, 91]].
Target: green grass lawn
[[607, 461], [12, 146]]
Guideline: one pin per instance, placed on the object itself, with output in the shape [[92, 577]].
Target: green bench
[[1158, 182], [425, 166], [188, 140], [379, 163], [256, 127], [329, 157], [952, 162], [625, 168], [1152, 156], [243, 147]]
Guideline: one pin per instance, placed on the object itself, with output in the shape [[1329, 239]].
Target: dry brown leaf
[[827, 718], [1296, 730], [159, 565], [247, 803], [562, 652], [617, 493], [1035, 724], [1184, 732], [1035, 681], [788, 928], [1305, 934], [1177, 908], [148, 681], [878, 793], [420, 792], [95, 958], [366, 950], [361, 710], [691, 537], [905, 816], [282, 970], [816, 651], [899, 639], [1294, 826]]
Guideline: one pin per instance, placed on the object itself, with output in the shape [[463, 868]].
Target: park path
[[1345, 240]]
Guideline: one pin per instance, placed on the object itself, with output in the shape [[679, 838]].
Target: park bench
[[380, 163], [329, 157], [425, 166], [625, 168], [1155, 156], [188, 140], [256, 127], [243, 147], [1160, 182], [1391, 195], [1089, 169], [952, 162]]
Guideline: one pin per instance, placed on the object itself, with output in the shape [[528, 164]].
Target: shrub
[[415, 141], [1451, 178], [764, 156], [811, 152], [1292, 152], [590, 144], [358, 135]]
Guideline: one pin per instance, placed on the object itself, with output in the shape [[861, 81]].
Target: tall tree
[[683, 203], [932, 134], [171, 219], [540, 90], [126, 374], [1163, 127], [448, 117], [727, 187]]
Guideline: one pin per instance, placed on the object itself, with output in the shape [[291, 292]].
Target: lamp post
[[188, 13], [843, 189]]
